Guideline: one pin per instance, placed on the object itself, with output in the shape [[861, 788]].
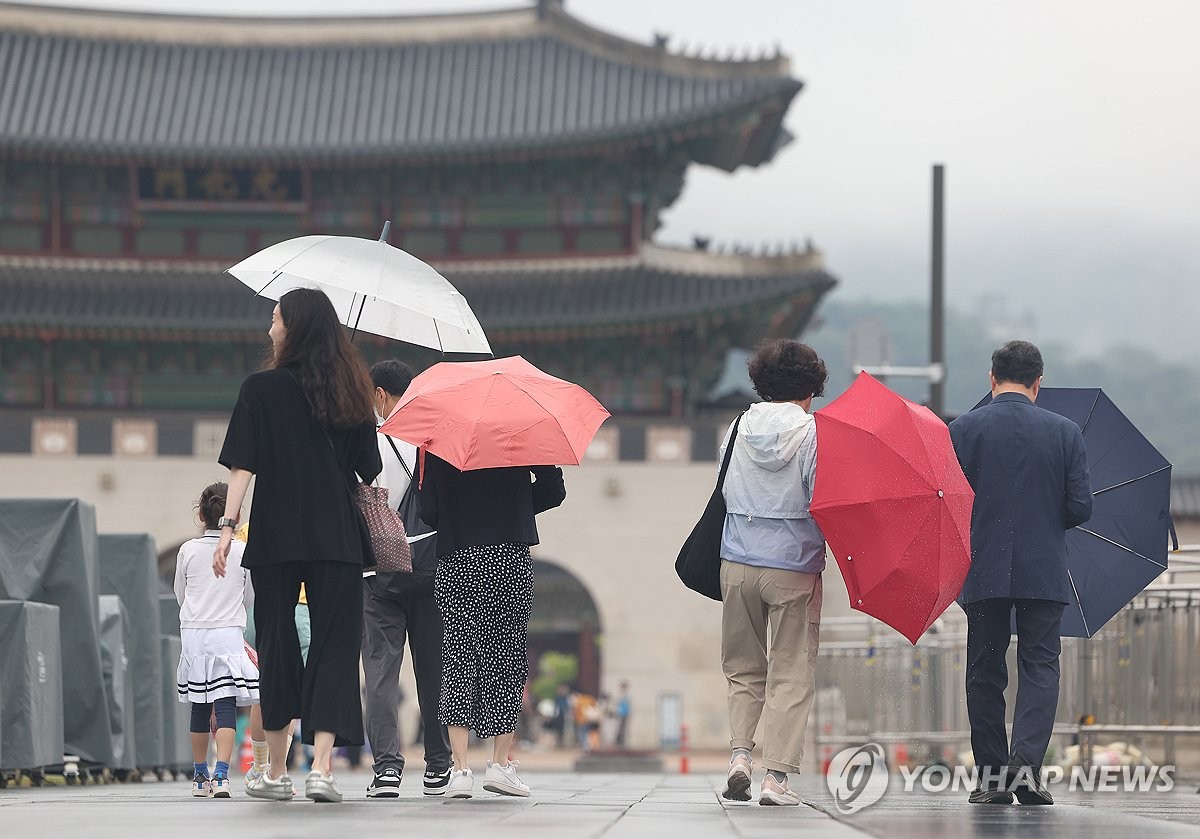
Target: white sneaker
[[201, 787], [255, 772], [320, 787], [462, 784], [504, 780], [271, 789]]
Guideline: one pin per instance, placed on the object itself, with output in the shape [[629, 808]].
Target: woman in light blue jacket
[[772, 556]]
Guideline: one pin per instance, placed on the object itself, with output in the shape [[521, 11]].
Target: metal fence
[[1137, 680]]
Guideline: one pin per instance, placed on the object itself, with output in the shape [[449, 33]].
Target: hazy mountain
[[1161, 397]]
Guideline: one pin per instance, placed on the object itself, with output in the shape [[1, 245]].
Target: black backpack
[[421, 537]]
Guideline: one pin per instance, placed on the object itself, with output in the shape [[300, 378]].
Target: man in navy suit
[[1029, 471]]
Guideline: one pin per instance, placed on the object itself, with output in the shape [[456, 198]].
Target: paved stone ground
[[574, 806]]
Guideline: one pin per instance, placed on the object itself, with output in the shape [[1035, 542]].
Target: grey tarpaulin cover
[[129, 568], [118, 680], [177, 716], [168, 608], [31, 710], [49, 553]]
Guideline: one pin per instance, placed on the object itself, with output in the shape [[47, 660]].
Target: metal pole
[[937, 302], [1166, 629]]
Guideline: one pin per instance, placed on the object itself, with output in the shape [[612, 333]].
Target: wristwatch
[[225, 521]]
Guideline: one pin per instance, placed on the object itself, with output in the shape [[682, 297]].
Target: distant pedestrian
[[302, 429], [215, 674], [772, 556], [1028, 468], [622, 710], [587, 717], [485, 525], [399, 608], [562, 715]]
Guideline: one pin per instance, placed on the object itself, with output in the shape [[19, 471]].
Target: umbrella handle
[[1174, 536]]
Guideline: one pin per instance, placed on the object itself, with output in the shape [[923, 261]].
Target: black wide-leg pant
[[324, 693], [485, 595]]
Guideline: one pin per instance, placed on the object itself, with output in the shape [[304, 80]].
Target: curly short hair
[[784, 370], [1018, 362]]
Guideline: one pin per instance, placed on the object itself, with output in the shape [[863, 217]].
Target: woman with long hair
[[304, 426]]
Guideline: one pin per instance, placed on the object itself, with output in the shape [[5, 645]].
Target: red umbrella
[[893, 504], [502, 412]]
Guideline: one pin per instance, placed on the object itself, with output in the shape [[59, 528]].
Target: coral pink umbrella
[[893, 505], [501, 412]]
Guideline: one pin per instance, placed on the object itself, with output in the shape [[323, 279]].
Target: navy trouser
[[989, 628]]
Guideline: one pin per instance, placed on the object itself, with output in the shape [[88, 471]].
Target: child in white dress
[[215, 674]]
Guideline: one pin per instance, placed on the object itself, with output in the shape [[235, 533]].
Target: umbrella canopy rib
[[1161, 565], [1091, 410], [1079, 605], [1132, 480], [279, 270]]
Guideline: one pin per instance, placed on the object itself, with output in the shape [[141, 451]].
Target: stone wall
[[618, 532]]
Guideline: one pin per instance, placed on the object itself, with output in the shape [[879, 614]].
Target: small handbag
[[699, 562], [389, 541]]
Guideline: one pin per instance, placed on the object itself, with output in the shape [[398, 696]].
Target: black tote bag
[[421, 537], [699, 562]]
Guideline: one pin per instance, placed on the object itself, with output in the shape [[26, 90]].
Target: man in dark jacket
[[1029, 471]]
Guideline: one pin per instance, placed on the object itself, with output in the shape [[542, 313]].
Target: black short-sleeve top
[[303, 507]]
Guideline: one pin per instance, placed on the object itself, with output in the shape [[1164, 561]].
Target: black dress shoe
[[990, 794], [1026, 782]]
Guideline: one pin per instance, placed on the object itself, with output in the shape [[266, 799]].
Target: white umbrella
[[373, 286]]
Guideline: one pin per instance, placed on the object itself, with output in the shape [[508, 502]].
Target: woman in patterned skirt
[[484, 588]]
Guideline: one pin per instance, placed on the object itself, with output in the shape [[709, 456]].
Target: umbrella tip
[[387, 228]]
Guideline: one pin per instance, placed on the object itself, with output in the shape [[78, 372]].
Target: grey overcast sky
[[1069, 129]]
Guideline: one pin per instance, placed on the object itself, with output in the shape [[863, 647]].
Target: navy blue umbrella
[[1123, 547]]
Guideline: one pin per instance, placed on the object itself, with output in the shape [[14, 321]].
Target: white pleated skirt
[[214, 665]]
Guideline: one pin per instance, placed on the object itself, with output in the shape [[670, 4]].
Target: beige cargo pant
[[771, 676]]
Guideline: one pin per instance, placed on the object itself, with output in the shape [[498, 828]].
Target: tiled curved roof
[[92, 297], [527, 80]]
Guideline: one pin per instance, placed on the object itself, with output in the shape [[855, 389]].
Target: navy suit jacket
[[1028, 467]]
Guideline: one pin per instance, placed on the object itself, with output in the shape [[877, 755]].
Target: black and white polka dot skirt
[[485, 594]]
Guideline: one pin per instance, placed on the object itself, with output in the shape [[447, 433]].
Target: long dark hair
[[331, 370], [211, 505]]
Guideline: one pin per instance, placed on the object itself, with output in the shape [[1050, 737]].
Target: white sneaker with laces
[[271, 789], [462, 784], [504, 780]]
